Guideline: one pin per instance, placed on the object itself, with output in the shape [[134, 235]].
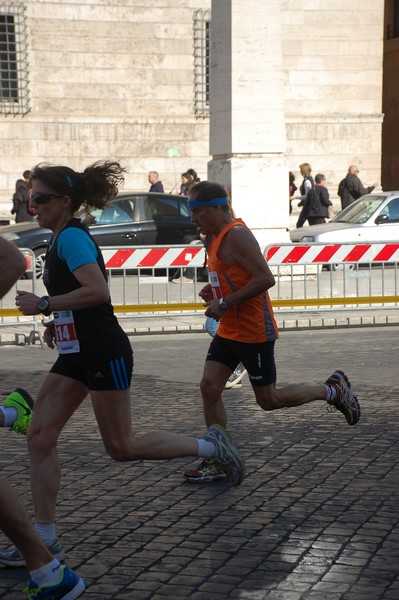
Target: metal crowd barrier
[[167, 279], [330, 275]]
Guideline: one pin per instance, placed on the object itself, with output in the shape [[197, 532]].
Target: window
[[392, 19], [202, 25], [164, 208], [14, 94]]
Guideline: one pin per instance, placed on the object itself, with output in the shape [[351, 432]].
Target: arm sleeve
[[325, 197], [358, 189], [76, 248]]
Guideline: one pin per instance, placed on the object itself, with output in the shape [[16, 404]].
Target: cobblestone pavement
[[315, 519]]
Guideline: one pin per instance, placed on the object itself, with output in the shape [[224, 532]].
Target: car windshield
[[359, 211]]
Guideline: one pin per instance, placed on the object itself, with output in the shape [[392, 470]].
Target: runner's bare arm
[[93, 291]]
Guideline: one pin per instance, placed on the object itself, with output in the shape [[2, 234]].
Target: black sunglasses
[[44, 198]]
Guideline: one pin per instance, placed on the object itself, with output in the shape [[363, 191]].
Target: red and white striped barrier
[[156, 257], [311, 254]]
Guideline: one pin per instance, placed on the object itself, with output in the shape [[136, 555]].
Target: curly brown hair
[[96, 186]]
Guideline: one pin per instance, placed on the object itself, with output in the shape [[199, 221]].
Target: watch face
[[43, 304]]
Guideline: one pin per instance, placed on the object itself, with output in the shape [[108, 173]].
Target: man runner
[[237, 296]]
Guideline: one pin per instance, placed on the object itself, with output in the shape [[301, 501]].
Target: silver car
[[372, 218]]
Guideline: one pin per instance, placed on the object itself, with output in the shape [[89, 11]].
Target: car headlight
[[307, 238], [11, 237]]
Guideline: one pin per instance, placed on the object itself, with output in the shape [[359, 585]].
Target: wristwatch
[[44, 306], [223, 304]]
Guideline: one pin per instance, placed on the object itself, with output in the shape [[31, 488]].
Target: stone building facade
[[129, 80]]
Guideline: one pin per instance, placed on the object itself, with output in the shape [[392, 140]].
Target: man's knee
[[267, 398], [119, 451]]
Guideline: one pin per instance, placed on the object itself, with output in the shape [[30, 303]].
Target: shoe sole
[[77, 590], [230, 384], [232, 477], [209, 479], [342, 377]]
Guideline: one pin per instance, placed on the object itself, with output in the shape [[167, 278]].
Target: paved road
[[315, 519]]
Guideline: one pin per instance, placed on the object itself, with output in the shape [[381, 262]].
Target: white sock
[[10, 414], [47, 574], [331, 392], [206, 449], [46, 532]]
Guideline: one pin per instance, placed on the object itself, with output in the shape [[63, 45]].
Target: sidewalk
[[195, 323], [287, 321]]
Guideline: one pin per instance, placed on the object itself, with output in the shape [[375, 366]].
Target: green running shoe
[[22, 401]]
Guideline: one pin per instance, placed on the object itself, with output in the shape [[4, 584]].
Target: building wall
[[108, 79], [114, 79], [333, 54]]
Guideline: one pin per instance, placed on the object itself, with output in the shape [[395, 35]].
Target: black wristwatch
[[44, 306], [223, 304]]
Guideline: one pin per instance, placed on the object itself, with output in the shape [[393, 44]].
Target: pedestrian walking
[[20, 200], [351, 188]]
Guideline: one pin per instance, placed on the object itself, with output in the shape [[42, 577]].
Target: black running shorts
[[114, 374], [258, 359]]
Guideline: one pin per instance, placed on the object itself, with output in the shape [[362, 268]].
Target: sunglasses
[[44, 198]]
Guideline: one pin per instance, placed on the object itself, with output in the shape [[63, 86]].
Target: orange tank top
[[251, 321]]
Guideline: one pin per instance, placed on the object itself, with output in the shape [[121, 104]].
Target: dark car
[[132, 219]]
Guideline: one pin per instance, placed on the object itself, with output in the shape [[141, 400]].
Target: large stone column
[[247, 124]]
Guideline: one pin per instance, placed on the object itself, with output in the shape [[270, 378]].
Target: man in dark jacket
[[351, 188], [156, 184], [21, 198]]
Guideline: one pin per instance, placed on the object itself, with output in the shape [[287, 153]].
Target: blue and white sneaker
[[233, 465], [69, 587]]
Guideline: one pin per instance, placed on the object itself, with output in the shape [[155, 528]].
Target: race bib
[[214, 281], [65, 332]]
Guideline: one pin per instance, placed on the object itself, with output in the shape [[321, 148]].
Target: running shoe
[[235, 378], [206, 472], [233, 464], [69, 587], [21, 400], [13, 557], [345, 400]]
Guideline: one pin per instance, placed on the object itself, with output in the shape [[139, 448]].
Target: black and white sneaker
[[235, 378]]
